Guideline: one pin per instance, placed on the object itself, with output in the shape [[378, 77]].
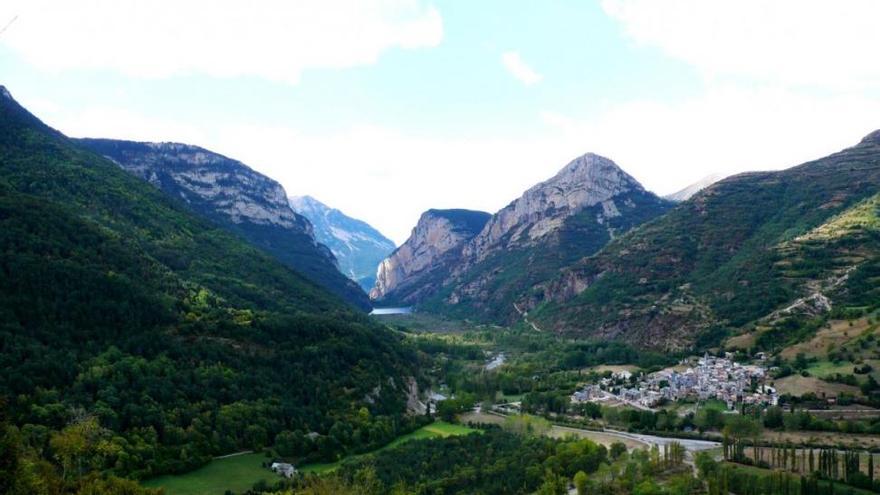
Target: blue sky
[[386, 108]]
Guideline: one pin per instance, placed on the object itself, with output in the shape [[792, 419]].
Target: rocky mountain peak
[[586, 181], [306, 203]]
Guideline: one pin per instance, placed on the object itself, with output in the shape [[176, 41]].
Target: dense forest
[[149, 340]]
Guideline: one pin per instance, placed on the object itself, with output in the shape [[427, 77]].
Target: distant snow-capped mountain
[[358, 247]]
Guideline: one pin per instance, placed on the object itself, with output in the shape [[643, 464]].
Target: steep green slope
[[720, 260], [182, 341]]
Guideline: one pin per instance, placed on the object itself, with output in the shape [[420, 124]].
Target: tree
[[527, 425], [708, 418], [580, 482], [553, 484], [773, 418], [706, 465], [617, 450], [740, 429]]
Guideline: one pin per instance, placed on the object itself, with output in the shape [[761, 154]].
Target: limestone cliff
[[587, 181], [420, 264]]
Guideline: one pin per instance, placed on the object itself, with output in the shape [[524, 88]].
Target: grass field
[[239, 473]]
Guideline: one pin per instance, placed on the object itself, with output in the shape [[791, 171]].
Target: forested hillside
[[137, 338], [734, 253]]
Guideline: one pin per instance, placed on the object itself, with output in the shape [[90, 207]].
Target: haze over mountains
[[686, 192]]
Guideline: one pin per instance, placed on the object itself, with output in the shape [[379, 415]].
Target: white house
[[284, 469]]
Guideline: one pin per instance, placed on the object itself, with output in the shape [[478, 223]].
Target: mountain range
[[146, 321], [238, 199], [552, 225], [162, 304], [803, 240], [357, 246], [417, 268], [590, 253]]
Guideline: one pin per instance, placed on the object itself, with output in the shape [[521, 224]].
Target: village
[[702, 378]]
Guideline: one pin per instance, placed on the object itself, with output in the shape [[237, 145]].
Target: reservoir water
[[392, 311]]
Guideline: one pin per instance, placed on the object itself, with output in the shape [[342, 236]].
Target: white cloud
[[118, 123], [519, 69], [792, 42], [271, 39]]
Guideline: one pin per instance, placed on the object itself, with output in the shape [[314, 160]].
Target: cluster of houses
[[709, 378]]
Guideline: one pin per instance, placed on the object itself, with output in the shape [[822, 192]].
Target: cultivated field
[[798, 385], [836, 334]]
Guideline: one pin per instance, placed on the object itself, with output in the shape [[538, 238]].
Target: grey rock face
[[587, 181], [198, 175], [433, 247]]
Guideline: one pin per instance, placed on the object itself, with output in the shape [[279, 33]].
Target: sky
[[386, 108]]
